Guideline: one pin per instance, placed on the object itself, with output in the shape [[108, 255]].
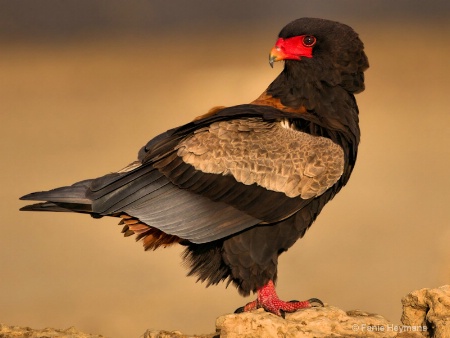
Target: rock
[[426, 313], [430, 308], [18, 332], [174, 334], [327, 321]]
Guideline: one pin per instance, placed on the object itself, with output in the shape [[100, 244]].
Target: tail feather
[[64, 199], [58, 207], [75, 193]]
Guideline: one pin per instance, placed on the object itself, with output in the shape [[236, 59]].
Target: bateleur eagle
[[240, 185]]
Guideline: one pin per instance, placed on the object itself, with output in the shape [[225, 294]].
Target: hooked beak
[[289, 49], [275, 55]]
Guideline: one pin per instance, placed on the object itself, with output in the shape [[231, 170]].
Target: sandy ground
[[77, 110]]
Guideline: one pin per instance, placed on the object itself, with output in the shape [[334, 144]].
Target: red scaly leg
[[268, 299]]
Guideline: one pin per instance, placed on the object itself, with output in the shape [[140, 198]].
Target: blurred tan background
[[84, 84]]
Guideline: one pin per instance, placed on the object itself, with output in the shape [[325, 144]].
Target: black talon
[[283, 314], [239, 310], [315, 302]]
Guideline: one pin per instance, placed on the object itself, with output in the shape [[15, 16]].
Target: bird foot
[[269, 301]]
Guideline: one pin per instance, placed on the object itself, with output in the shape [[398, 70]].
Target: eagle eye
[[309, 41]]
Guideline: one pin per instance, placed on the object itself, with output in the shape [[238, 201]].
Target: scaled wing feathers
[[266, 153]]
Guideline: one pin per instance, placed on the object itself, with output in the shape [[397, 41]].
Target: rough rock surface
[[426, 313], [430, 307], [175, 334], [324, 322], [26, 332]]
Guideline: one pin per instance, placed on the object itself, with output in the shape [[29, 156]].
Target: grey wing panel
[[190, 216], [148, 195]]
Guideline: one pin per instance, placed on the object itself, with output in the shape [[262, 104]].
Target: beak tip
[[272, 59]]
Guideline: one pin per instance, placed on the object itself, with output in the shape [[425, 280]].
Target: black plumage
[[239, 185]]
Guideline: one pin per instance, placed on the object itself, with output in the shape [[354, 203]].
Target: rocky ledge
[[426, 313]]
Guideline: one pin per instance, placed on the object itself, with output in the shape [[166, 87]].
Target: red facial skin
[[293, 48]]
